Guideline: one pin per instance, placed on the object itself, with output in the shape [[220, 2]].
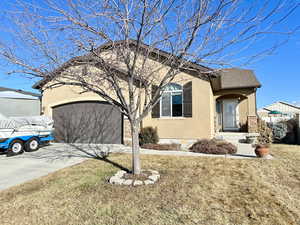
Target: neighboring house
[[278, 111], [19, 103], [194, 106]]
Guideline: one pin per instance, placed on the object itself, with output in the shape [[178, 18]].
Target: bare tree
[[134, 35]]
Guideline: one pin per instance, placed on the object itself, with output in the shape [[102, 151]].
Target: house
[[19, 103], [194, 106], [278, 111]]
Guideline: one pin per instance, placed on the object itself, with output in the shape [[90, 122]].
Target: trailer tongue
[[24, 133]]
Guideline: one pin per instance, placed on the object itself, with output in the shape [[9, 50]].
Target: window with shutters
[[175, 101], [171, 101]]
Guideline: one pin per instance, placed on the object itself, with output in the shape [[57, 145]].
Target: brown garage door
[[87, 122]]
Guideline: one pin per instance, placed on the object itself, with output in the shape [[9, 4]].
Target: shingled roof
[[235, 78]]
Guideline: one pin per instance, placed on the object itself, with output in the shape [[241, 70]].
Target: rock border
[[119, 179]]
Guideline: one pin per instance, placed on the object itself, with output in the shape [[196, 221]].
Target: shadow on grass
[[103, 156], [74, 153]]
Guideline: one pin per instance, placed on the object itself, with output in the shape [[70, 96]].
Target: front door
[[230, 115]]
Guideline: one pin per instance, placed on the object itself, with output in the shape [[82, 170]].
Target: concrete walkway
[[245, 151], [31, 165]]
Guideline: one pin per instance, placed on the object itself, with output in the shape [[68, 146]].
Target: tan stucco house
[[192, 107]]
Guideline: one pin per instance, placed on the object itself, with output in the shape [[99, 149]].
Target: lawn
[[192, 190]]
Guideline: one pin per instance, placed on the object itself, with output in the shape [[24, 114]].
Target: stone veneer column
[[252, 124]]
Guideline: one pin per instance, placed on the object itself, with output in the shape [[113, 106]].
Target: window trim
[[171, 110]]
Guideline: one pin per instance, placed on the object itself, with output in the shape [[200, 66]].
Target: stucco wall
[[200, 125], [65, 94], [19, 107]]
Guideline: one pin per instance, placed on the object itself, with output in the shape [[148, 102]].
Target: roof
[[275, 112], [276, 107], [288, 104], [4, 89], [235, 78], [154, 53]]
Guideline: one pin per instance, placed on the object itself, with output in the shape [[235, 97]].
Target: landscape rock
[[149, 182], [113, 179], [154, 177], [154, 172], [127, 182], [120, 173], [119, 179], [138, 182]]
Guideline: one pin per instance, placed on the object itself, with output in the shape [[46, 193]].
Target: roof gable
[[235, 78], [153, 53], [282, 107]]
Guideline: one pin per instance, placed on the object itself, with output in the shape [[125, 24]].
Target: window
[[171, 101]]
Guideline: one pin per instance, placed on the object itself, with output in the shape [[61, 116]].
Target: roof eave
[[241, 87]]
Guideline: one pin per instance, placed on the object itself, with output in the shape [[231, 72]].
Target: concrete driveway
[[31, 165]]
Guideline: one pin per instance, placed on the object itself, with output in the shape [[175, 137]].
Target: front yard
[[192, 190]]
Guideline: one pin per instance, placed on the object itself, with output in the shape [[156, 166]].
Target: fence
[[298, 128]]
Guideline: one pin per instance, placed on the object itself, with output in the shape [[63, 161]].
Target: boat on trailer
[[19, 134]]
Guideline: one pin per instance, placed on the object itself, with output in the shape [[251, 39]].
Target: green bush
[[148, 135], [213, 146]]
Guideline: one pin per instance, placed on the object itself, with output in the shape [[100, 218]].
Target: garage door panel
[[87, 122]]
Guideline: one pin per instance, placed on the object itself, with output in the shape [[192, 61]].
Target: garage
[[87, 122]]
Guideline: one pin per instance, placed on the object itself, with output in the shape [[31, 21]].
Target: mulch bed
[[142, 176], [172, 147]]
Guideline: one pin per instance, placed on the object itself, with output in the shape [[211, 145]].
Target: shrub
[[213, 146], [148, 135], [291, 137], [285, 131], [162, 146], [279, 130], [265, 133]]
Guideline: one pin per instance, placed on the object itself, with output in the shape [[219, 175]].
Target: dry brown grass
[[199, 190]]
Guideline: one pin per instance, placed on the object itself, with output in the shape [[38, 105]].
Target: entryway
[[228, 114]]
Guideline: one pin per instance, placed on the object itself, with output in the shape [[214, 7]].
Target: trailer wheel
[[15, 147], [33, 144]]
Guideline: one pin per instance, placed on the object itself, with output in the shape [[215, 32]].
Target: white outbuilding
[[19, 103]]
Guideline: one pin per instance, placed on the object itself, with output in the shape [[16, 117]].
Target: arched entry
[[87, 122], [231, 112]]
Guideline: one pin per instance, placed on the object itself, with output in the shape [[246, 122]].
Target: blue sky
[[278, 73]]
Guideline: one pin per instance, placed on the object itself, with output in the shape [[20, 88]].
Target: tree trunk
[[136, 164]]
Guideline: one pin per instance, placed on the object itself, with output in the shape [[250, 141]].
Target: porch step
[[233, 137]]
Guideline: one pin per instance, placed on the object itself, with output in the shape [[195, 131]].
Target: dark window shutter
[[188, 99], [156, 109]]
